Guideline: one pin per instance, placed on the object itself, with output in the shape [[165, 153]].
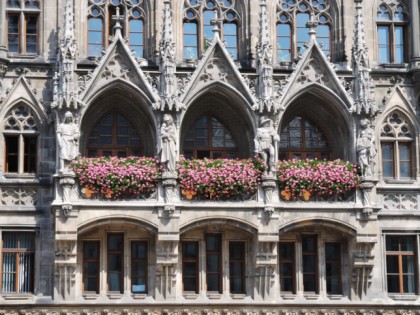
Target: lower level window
[[17, 262], [91, 266], [400, 261], [20, 154]]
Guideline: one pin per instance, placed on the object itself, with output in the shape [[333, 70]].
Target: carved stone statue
[[68, 141], [366, 150], [168, 148], [266, 143]]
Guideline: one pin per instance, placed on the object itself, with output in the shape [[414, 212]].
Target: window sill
[[407, 181], [394, 65], [20, 176], [22, 56], [190, 295], [335, 297], [238, 296], [90, 296], [17, 297], [114, 295], [214, 295], [139, 296], [403, 297], [288, 296], [311, 296]]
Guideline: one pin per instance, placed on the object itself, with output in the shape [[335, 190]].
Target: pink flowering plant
[[324, 178], [113, 177], [219, 179]]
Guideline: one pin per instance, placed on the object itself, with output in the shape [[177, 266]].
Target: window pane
[[387, 160], [383, 44], [29, 160], [190, 266], [399, 44], [13, 33], [91, 266], [405, 160], [12, 156], [136, 37], [190, 41], [95, 37]]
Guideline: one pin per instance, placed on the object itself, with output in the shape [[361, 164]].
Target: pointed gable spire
[[64, 80], [168, 81], [265, 65], [362, 90]]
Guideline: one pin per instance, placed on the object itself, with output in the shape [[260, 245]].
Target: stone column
[[265, 268], [363, 263], [166, 264], [415, 33], [3, 48]]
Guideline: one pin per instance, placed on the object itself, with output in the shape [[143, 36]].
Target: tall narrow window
[[115, 255], [139, 267], [20, 138], [100, 24], [214, 262], [333, 267], [287, 267], [292, 29], [392, 21], [18, 262], [190, 266], [396, 145], [310, 264], [302, 139], [199, 19], [91, 266], [113, 135], [22, 26], [237, 267], [209, 138], [400, 262]]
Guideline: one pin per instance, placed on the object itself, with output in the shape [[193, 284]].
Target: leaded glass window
[[396, 147], [100, 24], [292, 30], [302, 139], [208, 137], [199, 16], [114, 135], [392, 20]]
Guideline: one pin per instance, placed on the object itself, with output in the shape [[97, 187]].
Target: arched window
[[114, 135], [396, 146], [292, 32], [392, 19], [22, 26], [198, 26], [209, 138], [20, 138], [100, 24], [302, 139]]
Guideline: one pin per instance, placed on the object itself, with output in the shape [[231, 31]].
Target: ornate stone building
[[325, 79]]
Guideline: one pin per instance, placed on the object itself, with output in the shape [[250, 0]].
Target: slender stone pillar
[[3, 48]]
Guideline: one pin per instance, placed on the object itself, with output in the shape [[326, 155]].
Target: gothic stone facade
[[75, 76]]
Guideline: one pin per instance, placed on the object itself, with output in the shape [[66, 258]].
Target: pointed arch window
[[302, 139], [114, 135], [208, 137], [292, 32], [392, 20], [20, 139], [100, 24], [198, 26], [397, 147], [22, 26]]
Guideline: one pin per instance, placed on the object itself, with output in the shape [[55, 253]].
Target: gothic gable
[[216, 67], [314, 69], [22, 91], [118, 64], [398, 97]]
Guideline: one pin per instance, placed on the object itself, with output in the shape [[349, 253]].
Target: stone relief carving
[[313, 72], [65, 268], [215, 70], [17, 196], [400, 201], [167, 260], [117, 68]]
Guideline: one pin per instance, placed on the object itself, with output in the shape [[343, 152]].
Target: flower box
[[219, 179], [117, 178], [314, 180]]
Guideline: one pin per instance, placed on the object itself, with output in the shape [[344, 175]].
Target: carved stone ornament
[[168, 144], [366, 148], [18, 196], [400, 201], [266, 144], [67, 183], [216, 70], [68, 141]]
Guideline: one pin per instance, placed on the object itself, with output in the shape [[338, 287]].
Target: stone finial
[[117, 18], [217, 24], [312, 25], [364, 102]]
